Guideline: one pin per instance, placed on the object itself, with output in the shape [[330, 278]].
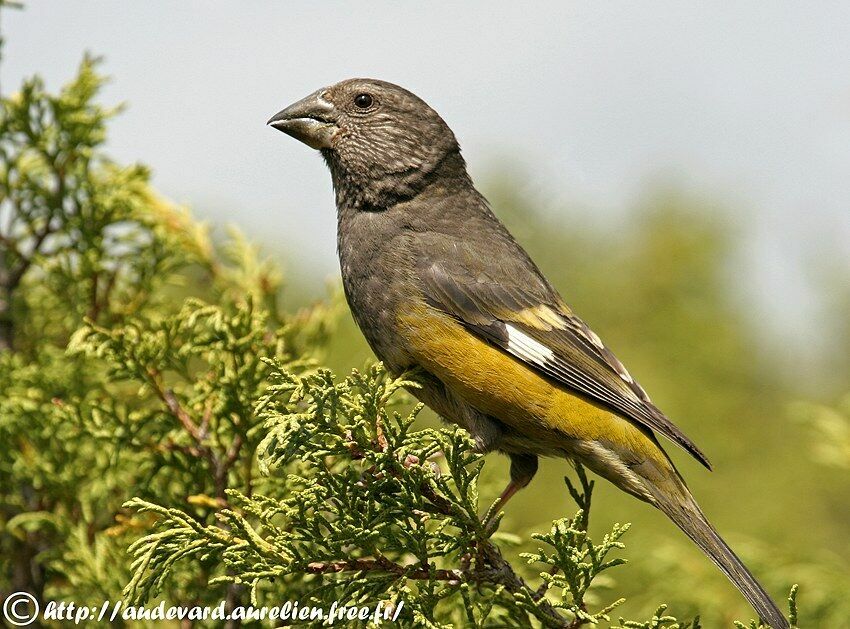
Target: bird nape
[[436, 282]]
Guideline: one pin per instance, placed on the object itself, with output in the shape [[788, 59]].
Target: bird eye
[[363, 101]]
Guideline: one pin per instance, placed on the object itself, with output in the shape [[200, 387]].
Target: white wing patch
[[525, 347], [533, 351]]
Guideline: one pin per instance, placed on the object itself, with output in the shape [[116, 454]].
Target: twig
[[182, 416], [383, 564], [544, 587], [501, 572]]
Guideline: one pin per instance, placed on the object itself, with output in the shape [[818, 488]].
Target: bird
[[437, 284]]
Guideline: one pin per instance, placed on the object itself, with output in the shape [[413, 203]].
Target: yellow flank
[[504, 387]]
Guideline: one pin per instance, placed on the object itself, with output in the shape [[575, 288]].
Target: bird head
[[380, 141]]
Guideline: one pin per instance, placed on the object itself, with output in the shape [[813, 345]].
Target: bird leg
[[508, 493], [523, 469]]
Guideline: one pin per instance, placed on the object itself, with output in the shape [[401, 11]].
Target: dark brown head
[[381, 142]]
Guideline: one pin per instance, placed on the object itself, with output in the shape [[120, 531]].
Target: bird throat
[[376, 191]]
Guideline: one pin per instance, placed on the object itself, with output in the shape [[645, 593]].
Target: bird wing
[[506, 301]]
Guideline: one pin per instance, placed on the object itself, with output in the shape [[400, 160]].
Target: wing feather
[[531, 322]]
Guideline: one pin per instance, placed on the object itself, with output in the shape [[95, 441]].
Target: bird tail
[[686, 514]]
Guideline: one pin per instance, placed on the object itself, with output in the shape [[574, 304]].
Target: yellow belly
[[506, 388]]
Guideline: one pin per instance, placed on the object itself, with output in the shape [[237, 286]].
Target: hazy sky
[[748, 100]]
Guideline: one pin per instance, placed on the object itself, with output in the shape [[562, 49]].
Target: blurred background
[[680, 172]]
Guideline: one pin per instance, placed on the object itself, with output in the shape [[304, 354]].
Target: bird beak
[[311, 120]]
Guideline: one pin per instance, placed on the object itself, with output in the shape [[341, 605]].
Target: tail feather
[[687, 515]]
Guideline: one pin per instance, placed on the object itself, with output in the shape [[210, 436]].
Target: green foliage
[[575, 560], [361, 507], [111, 387]]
